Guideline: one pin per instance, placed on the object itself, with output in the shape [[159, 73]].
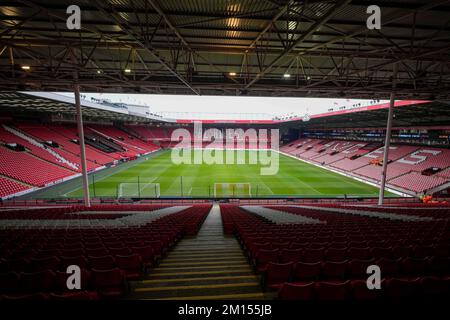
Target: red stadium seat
[[77, 295], [290, 255], [131, 264], [360, 291], [402, 288], [333, 290], [9, 282], [306, 271], [297, 291], [110, 283], [433, 286], [276, 274], [263, 257], [334, 270], [336, 254], [43, 281], [102, 262], [313, 255]]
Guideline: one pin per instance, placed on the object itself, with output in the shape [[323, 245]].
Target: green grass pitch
[[294, 178]]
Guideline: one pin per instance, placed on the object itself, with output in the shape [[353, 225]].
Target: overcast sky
[[204, 107]]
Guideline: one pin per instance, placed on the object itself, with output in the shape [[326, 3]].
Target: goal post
[[226, 190], [138, 190]]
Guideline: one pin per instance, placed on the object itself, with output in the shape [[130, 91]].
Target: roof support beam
[[309, 32], [149, 49]]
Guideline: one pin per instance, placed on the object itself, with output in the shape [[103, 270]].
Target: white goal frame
[[139, 190], [230, 186]]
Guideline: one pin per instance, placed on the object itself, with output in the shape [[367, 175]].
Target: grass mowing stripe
[[294, 178]]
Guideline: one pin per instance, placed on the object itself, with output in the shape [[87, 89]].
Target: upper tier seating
[[63, 136], [133, 145], [150, 133], [8, 137]]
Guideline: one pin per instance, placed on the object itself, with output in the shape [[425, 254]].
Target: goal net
[[232, 190], [138, 190]]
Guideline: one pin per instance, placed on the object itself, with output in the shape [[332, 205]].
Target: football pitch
[[160, 175]]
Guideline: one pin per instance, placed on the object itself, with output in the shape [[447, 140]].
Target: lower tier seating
[[34, 260]]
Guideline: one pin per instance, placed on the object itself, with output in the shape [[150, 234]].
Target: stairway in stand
[[207, 266]]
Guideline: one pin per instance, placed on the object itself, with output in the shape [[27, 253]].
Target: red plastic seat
[[389, 267], [434, 286], [72, 252], [290, 255], [401, 288], [40, 296], [17, 264], [49, 263], [360, 291], [333, 290], [146, 253], [102, 263], [120, 251], [334, 270], [313, 255], [131, 264], [9, 282], [42, 281], [336, 254], [98, 252], [263, 257], [77, 295], [109, 283], [296, 291], [401, 252], [79, 261], [414, 267], [422, 251], [379, 252], [439, 266], [357, 269], [276, 274], [359, 253], [306, 271]]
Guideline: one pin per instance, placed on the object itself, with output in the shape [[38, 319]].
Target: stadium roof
[[241, 47], [407, 113], [16, 103]]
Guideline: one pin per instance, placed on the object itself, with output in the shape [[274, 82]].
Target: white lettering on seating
[[378, 153], [418, 157], [353, 148], [374, 280]]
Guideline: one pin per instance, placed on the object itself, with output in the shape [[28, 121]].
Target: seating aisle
[[210, 265]]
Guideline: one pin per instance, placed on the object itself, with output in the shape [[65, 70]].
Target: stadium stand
[[132, 145], [34, 259], [406, 168], [9, 186], [36, 148], [329, 261], [65, 136], [27, 168]]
